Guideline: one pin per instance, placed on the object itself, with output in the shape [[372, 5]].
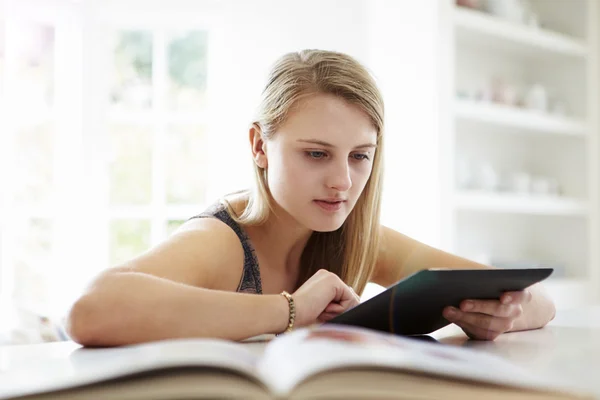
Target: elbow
[[77, 324], [549, 306], [92, 317], [551, 311], [84, 322], [546, 309]]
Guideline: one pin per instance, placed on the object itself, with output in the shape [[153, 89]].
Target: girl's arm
[[168, 292], [401, 256], [185, 288]]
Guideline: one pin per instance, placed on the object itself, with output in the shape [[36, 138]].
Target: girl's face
[[319, 161]]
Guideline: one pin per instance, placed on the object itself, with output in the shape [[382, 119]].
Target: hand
[[322, 297], [487, 319]]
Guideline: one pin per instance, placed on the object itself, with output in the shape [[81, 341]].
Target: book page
[[91, 365], [294, 357]]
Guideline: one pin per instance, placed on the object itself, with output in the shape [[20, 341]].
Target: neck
[[286, 240]]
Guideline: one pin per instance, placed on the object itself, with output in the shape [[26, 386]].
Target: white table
[[569, 347]]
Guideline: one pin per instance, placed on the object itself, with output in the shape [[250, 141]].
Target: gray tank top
[[250, 281]]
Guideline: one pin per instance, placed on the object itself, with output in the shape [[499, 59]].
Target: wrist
[[292, 311], [280, 313], [539, 311]]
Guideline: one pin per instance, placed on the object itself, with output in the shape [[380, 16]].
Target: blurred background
[[120, 119]]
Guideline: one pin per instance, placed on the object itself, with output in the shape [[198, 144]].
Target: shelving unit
[[516, 118], [491, 31], [519, 204], [482, 129]]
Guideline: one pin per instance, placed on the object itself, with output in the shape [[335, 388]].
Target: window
[[156, 129], [103, 142], [28, 139]]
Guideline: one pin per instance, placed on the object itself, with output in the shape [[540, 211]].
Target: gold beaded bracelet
[[292, 318]]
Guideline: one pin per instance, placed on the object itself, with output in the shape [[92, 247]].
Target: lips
[[331, 200], [330, 204]]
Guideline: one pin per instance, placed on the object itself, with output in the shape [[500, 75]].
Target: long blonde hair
[[350, 251]]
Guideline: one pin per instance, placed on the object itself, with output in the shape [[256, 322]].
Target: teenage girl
[[298, 247]]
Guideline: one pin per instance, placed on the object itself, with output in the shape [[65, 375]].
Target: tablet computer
[[414, 305]]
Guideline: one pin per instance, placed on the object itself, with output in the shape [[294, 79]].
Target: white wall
[[251, 37], [404, 56], [396, 40]]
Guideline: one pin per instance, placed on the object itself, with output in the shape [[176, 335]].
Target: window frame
[[81, 213], [158, 118]]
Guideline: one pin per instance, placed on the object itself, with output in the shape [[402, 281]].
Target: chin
[[326, 225], [319, 221], [323, 230]]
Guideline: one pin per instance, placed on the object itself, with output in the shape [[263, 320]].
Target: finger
[[484, 321], [325, 316], [343, 293], [478, 333], [518, 297], [355, 295], [348, 298], [492, 307], [334, 308]]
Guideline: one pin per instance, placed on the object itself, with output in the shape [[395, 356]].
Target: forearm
[[537, 313], [129, 307]]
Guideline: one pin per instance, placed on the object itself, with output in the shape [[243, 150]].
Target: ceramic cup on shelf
[[464, 174], [521, 182], [554, 188], [489, 178], [545, 185], [540, 185], [474, 4], [511, 95], [558, 107], [511, 10], [532, 20], [537, 98]]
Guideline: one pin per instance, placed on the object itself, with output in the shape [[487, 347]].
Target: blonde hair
[[350, 251]]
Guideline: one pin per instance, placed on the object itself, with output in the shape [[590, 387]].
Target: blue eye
[[361, 157], [317, 155]]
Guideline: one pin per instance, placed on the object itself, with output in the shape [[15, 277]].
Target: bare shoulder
[[394, 250], [400, 256], [203, 252]]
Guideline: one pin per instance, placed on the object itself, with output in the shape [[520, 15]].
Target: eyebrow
[[325, 144]]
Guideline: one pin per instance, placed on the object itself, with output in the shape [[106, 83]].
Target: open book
[[328, 361]]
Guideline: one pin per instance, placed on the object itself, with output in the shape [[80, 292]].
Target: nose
[[338, 177]]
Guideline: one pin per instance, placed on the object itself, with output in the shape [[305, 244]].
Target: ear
[[259, 146]]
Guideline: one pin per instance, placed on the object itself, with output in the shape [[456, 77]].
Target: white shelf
[[512, 117], [483, 48], [518, 203], [497, 33]]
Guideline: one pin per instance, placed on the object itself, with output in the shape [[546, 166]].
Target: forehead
[[328, 117]]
